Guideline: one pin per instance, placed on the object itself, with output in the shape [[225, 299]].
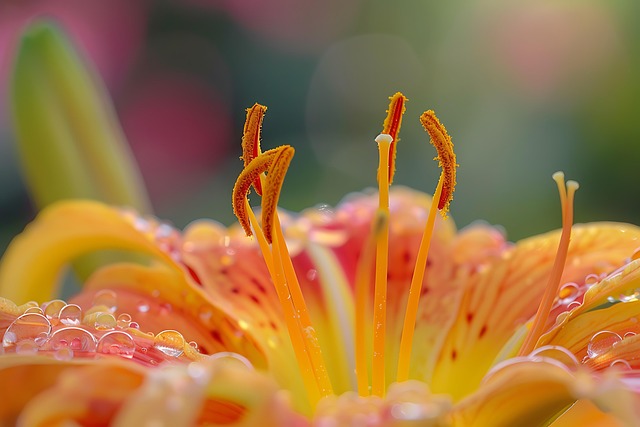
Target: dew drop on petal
[[568, 293], [105, 322], [559, 353], [312, 273], [77, 339], [628, 334], [630, 296], [611, 299], [27, 347], [621, 364], [26, 326], [165, 308], [591, 280], [63, 353], [106, 297], [226, 260], [193, 345], [37, 310], [117, 343], [70, 315], [52, 309], [170, 343], [123, 321], [143, 306], [134, 325], [229, 357], [601, 342]]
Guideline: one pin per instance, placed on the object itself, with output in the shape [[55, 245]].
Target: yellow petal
[[525, 393], [33, 262], [499, 297]]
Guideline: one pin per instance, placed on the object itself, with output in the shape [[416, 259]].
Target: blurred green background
[[525, 88]]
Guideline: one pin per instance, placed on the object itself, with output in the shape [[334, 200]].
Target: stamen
[[391, 126], [411, 313], [446, 184], [382, 255], [363, 280], [296, 332], [251, 139], [275, 178], [566, 199], [275, 161], [446, 157]]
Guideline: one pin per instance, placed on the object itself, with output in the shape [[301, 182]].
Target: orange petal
[[498, 297]]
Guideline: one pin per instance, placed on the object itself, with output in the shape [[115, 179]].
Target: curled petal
[[63, 231]]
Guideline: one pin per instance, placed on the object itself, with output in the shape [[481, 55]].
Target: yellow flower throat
[[265, 172]]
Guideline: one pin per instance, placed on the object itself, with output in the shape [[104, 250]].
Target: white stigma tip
[[558, 176], [384, 137], [573, 185]]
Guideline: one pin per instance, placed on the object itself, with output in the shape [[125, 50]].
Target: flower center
[[265, 172]]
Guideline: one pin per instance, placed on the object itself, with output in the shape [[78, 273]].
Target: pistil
[[567, 192], [382, 260]]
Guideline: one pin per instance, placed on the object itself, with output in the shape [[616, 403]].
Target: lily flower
[[377, 312]]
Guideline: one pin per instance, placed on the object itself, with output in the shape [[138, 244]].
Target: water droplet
[[205, 314], [165, 308], [105, 322], [123, 321], [591, 280], [226, 260], [117, 343], [134, 325], [629, 334], [26, 326], [27, 347], [568, 293], [143, 306], [559, 353], [106, 297], [37, 310], [572, 305], [611, 299], [170, 343], [312, 274], [621, 364], [63, 353], [601, 342], [70, 315], [52, 309], [231, 358], [630, 295], [193, 344], [77, 339]]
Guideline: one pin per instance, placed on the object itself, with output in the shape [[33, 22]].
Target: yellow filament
[[566, 199], [293, 326], [363, 279], [411, 313], [382, 255], [309, 335]]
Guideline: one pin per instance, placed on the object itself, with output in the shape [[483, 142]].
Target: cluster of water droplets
[[165, 236], [67, 331]]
